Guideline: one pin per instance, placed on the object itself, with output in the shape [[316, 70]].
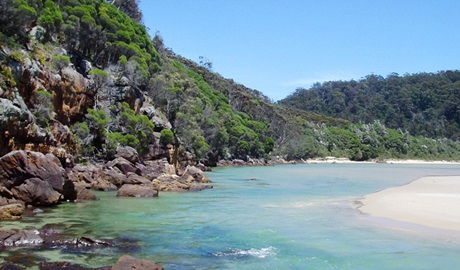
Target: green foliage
[[167, 137], [43, 107], [15, 17], [138, 126], [116, 138], [99, 72], [61, 61], [135, 131], [51, 19], [83, 136], [6, 77], [99, 77], [200, 147]]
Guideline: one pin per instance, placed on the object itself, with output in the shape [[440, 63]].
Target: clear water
[[288, 217]]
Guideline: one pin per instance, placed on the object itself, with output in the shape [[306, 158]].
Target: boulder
[[113, 176], [196, 173], [18, 166], [135, 179], [123, 165], [34, 191], [128, 153], [103, 185], [167, 182], [138, 191], [11, 211], [84, 194], [128, 262]]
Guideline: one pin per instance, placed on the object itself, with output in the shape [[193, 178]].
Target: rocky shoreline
[[32, 180]]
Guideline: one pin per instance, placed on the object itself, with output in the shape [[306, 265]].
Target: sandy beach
[[431, 201]]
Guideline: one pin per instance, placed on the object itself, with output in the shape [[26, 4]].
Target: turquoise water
[[288, 217]]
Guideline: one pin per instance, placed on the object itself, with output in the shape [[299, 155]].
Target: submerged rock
[[128, 262], [67, 266], [11, 211], [20, 238], [139, 191], [86, 241]]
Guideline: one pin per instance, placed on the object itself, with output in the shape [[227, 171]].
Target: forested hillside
[[81, 78], [425, 104]]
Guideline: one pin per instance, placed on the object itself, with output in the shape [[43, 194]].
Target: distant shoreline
[[329, 160]]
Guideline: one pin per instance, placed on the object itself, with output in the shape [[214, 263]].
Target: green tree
[[167, 137], [51, 19]]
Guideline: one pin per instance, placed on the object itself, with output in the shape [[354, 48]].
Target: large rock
[[113, 176], [123, 165], [138, 191], [18, 166], [135, 179], [83, 194], [128, 153], [34, 191], [196, 173], [128, 262]]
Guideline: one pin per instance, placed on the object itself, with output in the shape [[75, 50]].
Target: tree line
[[423, 104]]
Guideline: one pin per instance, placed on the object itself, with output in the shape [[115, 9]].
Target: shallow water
[[281, 217]]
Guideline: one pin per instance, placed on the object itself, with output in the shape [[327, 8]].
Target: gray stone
[[128, 153], [86, 66]]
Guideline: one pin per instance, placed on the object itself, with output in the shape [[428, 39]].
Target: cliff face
[[42, 99], [38, 104]]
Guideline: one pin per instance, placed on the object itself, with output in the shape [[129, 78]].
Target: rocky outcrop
[[15, 122], [138, 191], [128, 262], [120, 172], [18, 166], [32, 177]]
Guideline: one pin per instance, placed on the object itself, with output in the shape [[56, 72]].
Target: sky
[[277, 46]]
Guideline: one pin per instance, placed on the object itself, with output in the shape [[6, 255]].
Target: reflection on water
[[282, 217]]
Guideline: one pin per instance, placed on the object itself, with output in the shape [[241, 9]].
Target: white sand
[[429, 201]]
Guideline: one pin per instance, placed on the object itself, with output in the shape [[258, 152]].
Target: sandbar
[[432, 201]]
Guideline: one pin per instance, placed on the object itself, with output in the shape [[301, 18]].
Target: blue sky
[[276, 46]]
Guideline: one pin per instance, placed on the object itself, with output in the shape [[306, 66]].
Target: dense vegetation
[[424, 104], [209, 116]]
